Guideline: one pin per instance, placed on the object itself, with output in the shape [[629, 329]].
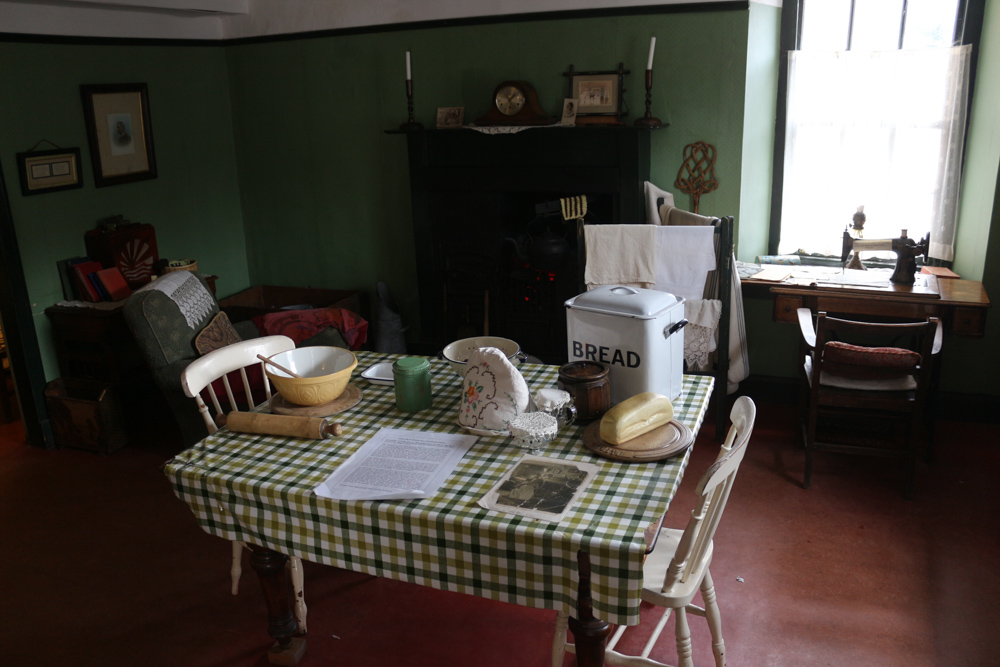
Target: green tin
[[412, 379]]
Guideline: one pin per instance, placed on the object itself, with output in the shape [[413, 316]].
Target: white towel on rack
[[620, 255], [684, 256], [652, 194]]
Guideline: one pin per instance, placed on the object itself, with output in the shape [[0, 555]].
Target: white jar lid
[[551, 398]]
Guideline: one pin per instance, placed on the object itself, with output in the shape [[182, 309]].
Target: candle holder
[[648, 120], [410, 124]]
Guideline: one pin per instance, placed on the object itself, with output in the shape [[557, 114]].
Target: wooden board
[[351, 397], [661, 443]]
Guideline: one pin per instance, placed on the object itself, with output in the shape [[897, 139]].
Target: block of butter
[[634, 416]]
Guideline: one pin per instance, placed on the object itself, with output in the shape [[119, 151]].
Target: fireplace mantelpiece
[[474, 198]]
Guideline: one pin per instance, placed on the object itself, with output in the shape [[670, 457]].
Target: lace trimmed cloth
[[185, 290], [702, 332]]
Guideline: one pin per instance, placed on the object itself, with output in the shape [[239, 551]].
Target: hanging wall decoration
[[697, 173], [49, 170], [119, 132]]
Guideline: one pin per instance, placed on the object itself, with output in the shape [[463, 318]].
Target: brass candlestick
[[410, 124], [648, 120]]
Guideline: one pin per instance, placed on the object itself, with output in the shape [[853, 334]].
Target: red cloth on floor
[[302, 324]]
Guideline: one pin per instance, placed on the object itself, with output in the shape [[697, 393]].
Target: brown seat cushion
[[879, 357]]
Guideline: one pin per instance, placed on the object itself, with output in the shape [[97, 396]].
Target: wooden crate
[[85, 414]]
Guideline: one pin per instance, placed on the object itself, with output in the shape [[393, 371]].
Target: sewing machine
[[906, 250]]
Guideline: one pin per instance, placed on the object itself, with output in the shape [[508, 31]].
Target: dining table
[[260, 490]]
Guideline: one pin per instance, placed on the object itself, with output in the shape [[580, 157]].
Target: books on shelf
[[113, 283], [85, 289]]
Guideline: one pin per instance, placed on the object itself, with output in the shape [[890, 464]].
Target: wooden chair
[[198, 376], [887, 377], [678, 566]]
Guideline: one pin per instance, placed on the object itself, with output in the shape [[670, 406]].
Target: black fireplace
[[495, 254]]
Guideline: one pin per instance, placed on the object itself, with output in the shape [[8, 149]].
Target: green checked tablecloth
[[259, 488]]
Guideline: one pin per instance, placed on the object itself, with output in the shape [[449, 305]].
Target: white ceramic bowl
[[457, 353], [325, 373]]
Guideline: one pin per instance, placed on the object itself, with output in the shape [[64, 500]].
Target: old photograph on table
[[540, 488]]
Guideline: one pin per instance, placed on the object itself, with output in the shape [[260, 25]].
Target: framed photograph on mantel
[[119, 132], [598, 95]]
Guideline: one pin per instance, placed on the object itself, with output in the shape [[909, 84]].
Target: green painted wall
[[193, 204], [758, 130], [982, 153], [326, 191]]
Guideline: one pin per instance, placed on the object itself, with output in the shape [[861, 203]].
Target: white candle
[[408, 77], [652, 45]]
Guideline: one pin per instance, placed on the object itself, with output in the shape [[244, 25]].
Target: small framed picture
[[569, 111], [49, 171], [450, 116], [597, 93], [119, 132]]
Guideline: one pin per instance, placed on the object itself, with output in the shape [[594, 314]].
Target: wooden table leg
[[270, 568], [589, 634]]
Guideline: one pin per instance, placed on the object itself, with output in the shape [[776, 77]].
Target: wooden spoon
[[278, 366]]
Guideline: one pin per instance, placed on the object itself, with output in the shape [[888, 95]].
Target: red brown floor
[[101, 565]]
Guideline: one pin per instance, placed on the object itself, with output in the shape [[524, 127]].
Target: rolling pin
[[317, 428]]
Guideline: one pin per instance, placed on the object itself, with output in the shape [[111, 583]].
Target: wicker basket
[[181, 265]]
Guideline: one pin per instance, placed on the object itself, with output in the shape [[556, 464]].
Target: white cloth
[[620, 255], [652, 193], [702, 332], [671, 215], [684, 256], [493, 392], [185, 290]]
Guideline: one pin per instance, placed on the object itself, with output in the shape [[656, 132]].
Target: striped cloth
[[258, 488]]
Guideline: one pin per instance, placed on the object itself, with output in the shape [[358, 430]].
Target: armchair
[[165, 318]]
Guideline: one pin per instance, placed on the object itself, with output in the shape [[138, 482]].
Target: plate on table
[[379, 374], [661, 443]]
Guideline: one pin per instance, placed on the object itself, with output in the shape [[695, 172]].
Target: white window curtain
[[883, 130]]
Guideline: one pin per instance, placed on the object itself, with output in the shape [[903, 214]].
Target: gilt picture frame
[[49, 171], [119, 132]]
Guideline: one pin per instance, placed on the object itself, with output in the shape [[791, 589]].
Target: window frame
[[968, 30]]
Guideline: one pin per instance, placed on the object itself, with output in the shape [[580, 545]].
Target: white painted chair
[[681, 558], [198, 376]]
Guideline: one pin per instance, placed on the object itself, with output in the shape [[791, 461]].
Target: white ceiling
[[234, 19]]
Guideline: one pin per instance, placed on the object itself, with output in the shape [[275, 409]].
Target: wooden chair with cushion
[[199, 377], [849, 389], [677, 568]]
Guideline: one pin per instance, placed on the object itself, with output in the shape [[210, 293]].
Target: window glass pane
[[825, 24], [930, 24], [876, 25]]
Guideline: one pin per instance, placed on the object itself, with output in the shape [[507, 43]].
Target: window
[[877, 94]]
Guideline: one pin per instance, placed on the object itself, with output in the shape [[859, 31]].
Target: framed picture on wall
[[49, 170], [119, 132]]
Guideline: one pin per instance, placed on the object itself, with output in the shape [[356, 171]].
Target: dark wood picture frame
[[47, 171], [119, 132], [613, 82]]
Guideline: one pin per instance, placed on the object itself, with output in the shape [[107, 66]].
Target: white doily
[[184, 289]]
